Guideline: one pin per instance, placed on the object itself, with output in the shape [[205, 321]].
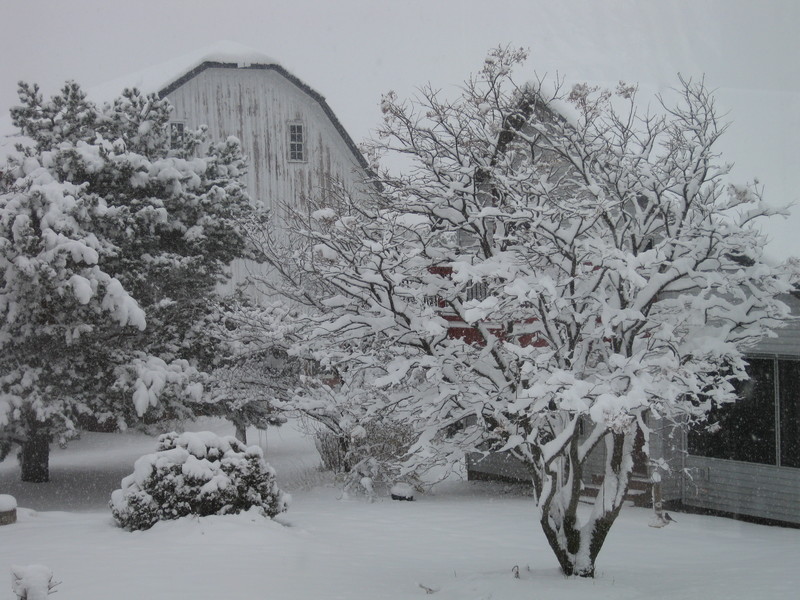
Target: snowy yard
[[461, 541]]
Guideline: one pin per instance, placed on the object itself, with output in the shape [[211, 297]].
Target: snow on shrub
[[7, 503], [32, 582], [196, 473]]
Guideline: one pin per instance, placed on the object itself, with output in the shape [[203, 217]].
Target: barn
[[295, 145]]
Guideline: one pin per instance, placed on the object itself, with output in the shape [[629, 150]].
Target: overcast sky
[[352, 51]]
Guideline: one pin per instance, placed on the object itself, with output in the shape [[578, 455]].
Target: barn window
[[763, 425], [176, 135], [297, 142]]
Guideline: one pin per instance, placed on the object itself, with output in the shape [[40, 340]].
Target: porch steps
[[638, 490]]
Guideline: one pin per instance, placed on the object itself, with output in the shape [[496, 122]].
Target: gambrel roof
[[167, 77]]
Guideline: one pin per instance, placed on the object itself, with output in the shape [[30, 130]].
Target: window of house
[[745, 429], [177, 132], [789, 386], [297, 142]]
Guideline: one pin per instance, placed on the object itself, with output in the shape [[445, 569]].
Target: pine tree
[[112, 245]]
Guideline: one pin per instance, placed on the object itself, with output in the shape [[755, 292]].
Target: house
[[749, 462]]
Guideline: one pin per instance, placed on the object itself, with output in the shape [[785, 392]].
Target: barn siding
[[256, 105]]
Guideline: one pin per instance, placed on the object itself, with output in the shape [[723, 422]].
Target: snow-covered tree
[[550, 272], [111, 246]]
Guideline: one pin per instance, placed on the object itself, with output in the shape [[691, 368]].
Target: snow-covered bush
[[32, 582], [196, 473]]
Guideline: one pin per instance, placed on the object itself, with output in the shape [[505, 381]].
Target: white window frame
[[296, 145]]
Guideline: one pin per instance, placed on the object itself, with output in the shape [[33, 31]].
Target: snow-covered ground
[[461, 542]]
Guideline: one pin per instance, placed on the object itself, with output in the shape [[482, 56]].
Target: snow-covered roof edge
[[155, 78]]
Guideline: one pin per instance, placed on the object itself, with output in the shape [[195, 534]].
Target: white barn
[[294, 142]]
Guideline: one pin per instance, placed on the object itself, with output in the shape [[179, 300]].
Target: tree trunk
[[34, 458], [576, 546], [344, 453], [241, 431]]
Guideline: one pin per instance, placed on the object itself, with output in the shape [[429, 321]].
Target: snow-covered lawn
[[462, 541]]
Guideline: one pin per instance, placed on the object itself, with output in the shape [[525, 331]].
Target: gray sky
[[351, 51]]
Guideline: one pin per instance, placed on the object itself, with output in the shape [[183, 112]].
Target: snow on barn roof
[[157, 78]]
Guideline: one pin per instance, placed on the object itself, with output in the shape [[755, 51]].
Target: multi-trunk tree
[[550, 272], [113, 238]]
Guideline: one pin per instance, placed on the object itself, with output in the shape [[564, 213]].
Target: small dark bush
[[374, 450], [196, 474]]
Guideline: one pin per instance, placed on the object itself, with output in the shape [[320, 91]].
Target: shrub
[[374, 450], [196, 474]]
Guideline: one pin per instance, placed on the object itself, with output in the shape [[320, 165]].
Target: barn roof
[[169, 76], [166, 77]]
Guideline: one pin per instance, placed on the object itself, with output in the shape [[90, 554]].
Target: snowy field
[[460, 542]]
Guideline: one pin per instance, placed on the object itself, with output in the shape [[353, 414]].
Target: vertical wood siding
[[256, 106]]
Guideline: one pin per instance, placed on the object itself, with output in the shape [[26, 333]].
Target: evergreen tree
[[111, 248]]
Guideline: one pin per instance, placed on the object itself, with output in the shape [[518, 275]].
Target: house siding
[[496, 465], [786, 341], [762, 491]]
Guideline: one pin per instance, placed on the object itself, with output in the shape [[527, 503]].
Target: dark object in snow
[[402, 491], [661, 520], [8, 509]]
